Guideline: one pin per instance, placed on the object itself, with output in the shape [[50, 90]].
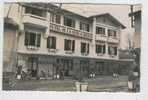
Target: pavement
[[98, 84]]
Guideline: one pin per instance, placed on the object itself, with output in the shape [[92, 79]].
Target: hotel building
[[50, 39]]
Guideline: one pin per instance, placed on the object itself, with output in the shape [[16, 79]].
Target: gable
[[106, 20]]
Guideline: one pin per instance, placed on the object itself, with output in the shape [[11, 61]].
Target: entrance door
[[84, 68], [99, 68], [33, 66], [67, 66]]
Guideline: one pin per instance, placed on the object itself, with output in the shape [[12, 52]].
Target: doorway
[[84, 68], [33, 66]]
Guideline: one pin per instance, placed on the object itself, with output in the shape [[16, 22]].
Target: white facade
[[44, 27]]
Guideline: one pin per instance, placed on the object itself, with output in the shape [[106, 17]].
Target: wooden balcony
[[70, 31], [113, 40], [100, 37]]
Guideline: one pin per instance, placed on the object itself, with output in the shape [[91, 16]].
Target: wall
[[137, 34], [8, 48]]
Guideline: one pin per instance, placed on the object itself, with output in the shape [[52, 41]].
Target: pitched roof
[[111, 17], [54, 7]]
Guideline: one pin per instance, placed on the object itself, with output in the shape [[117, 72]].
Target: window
[[35, 11], [55, 18], [32, 39], [100, 48], [69, 45], [69, 22], [99, 67], [84, 66], [112, 33], [112, 50], [100, 30], [84, 47], [84, 26], [51, 42]]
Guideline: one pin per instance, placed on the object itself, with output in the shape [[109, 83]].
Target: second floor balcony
[[100, 37], [106, 38], [70, 31], [35, 20], [113, 39]]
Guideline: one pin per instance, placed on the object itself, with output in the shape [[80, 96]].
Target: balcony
[[70, 31], [113, 40], [100, 37], [35, 20]]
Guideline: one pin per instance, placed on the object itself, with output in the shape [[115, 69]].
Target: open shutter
[[26, 38], [96, 48], [82, 47], [115, 50], [54, 42], [38, 40], [48, 42], [109, 51], [73, 45], [88, 48], [65, 44], [104, 48]]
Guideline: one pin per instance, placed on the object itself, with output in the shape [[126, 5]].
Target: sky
[[120, 12]]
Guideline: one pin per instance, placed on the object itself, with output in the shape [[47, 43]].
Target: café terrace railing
[[70, 31]]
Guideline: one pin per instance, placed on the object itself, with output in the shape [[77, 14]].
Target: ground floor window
[[84, 67], [65, 65], [99, 67]]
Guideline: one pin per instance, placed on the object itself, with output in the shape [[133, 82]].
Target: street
[[98, 84]]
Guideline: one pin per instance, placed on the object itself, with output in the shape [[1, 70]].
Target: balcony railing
[[101, 37], [35, 20], [113, 39], [70, 31]]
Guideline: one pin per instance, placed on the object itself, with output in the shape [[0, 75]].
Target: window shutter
[[80, 26], [87, 27], [115, 50], [104, 48], [109, 52], [73, 45], [48, 40], [88, 48], [38, 40], [65, 44], [26, 38], [81, 47], [54, 43], [73, 23], [96, 48]]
